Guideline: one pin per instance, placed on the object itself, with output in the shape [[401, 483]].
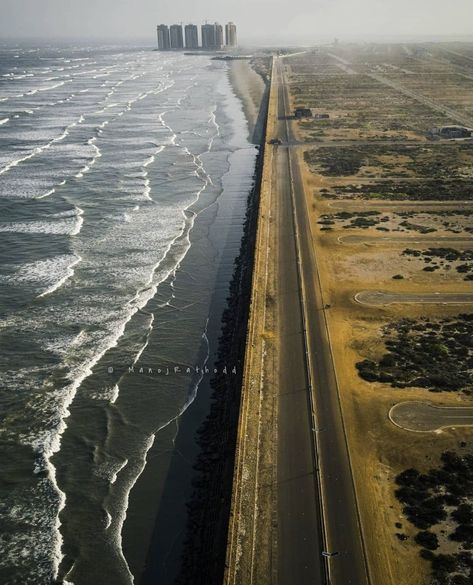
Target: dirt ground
[[379, 450]]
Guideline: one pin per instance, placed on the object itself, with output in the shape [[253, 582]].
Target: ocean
[[124, 178]]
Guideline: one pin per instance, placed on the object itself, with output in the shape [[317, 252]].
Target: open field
[[412, 240]]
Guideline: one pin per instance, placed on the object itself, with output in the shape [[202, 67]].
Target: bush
[[463, 514], [407, 477], [463, 533], [460, 580], [442, 564], [427, 539], [428, 555]]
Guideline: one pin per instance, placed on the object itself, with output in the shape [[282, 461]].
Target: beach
[[126, 230], [251, 89]]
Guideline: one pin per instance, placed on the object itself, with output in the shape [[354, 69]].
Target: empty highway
[[308, 379]]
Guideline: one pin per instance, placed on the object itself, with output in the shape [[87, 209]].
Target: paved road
[[342, 531], [419, 239], [426, 417], [378, 298], [299, 539]]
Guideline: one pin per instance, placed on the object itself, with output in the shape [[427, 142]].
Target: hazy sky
[[270, 21]]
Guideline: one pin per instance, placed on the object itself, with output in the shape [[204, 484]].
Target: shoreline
[[251, 88], [209, 455]]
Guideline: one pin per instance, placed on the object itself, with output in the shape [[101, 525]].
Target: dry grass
[[378, 449]]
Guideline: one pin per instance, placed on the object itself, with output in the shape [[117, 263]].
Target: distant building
[[208, 36], [451, 132], [230, 35], [192, 36], [218, 36], [177, 40], [212, 36], [303, 113], [164, 40]]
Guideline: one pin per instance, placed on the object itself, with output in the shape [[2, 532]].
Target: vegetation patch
[[425, 190], [423, 223], [439, 504], [447, 257], [343, 162], [432, 354]]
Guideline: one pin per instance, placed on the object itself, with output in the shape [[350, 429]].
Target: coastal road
[[299, 535], [426, 417], [378, 298], [307, 371]]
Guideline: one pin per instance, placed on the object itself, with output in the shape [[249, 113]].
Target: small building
[[302, 113], [322, 116], [451, 132]]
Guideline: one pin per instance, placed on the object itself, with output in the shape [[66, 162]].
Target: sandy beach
[[250, 88]]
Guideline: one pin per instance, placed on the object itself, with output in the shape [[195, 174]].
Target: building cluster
[[175, 37]]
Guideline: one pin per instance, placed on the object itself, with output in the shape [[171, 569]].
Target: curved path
[[378, 298], [420, 239], [426, 417], [398, 204]]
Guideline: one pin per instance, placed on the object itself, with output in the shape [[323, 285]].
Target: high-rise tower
[[218, 36], [177, 40], [192, 36], [230, 35], [164, 41], [208, 36], [212, 36]]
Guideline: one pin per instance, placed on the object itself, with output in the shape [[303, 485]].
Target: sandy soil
[[379, 450]]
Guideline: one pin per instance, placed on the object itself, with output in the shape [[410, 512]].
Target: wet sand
[[190, 527], [250, 88]]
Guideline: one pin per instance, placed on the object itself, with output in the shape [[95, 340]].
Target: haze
[[258, 21]]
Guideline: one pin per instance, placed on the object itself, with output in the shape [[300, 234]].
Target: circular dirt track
[[425, 417], [378, 298], [405, 240]]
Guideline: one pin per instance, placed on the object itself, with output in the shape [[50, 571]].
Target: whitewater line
[[68, 275], [85, 370], [98, 154], [35, 91], [120, 521], [145, 173], [51, 191], [40, 149], [99, 131], [80, 221]]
